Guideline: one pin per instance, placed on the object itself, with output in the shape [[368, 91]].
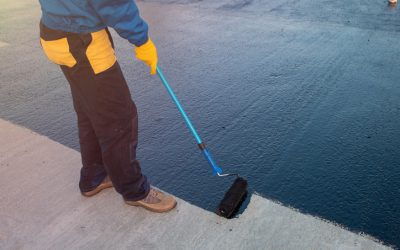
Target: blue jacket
[[84, 16]]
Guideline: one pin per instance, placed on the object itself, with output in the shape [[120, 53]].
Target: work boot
[[155, 201], [106, 183]]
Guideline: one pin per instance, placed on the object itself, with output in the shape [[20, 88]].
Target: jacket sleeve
[[123, 16]]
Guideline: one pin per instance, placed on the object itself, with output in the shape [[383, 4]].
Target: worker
[[74, 34]]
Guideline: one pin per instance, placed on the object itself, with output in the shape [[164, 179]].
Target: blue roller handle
[[206, 153]]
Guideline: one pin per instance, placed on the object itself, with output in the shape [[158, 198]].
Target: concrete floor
[[41, 208]]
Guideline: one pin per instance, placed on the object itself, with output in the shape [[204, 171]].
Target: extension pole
[[200, 143]]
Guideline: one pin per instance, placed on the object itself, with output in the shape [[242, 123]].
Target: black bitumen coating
[[299, 97]]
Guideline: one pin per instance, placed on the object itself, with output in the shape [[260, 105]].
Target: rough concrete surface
[[41, 208], [3, 44]]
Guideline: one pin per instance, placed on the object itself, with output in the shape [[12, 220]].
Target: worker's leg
[[105, 99], [116, 124], [92, 171]]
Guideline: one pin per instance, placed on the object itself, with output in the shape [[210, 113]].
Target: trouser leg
[[106, 101], [92, 171]]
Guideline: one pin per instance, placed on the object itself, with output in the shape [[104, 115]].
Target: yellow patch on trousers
[[100, 53], [58, 51]]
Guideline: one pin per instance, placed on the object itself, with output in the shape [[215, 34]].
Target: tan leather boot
[[105, 184], [155, 201]]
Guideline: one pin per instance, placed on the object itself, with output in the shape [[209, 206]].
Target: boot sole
[[97, 189], [152, 209]]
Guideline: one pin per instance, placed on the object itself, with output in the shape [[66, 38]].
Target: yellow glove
[[147, 53]]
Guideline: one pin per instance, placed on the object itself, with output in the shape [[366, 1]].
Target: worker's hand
[[147, 53]]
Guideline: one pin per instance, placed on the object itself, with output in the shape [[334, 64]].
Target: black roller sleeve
[[233, 198]]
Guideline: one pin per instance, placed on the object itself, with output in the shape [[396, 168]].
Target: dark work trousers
[[107, 121]]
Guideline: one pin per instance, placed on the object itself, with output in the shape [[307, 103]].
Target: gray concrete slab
[[41, 208], [3, 44]]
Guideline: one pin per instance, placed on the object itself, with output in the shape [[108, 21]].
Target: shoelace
[[152, 197]]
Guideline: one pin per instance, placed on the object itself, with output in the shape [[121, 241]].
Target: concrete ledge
[[41, 208], [3, 44]]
